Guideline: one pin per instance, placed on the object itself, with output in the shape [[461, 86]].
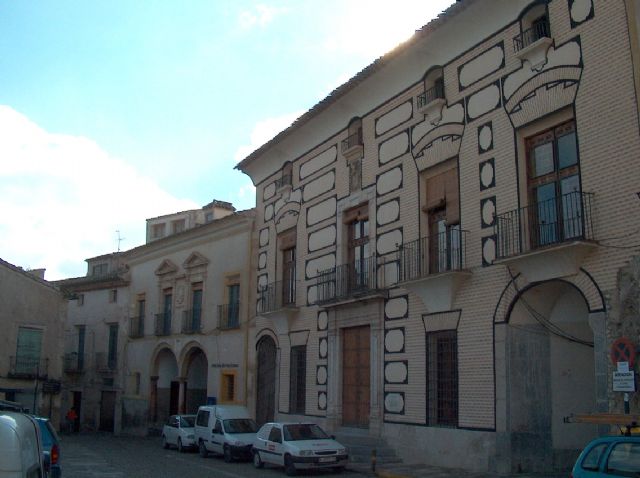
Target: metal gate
[[266, 386]]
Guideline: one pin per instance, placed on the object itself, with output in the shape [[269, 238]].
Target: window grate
[[442, 378]]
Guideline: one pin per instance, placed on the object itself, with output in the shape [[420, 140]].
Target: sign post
[[623, 354]]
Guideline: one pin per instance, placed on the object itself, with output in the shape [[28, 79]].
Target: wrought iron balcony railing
[[347, 281], [73, 362], [192, 321], [163, 324], [136, 327], [434, 254], [432, 94], [540, 29], [354, 139], [276, 296], [27, 367], [229, 316], [543, 224], [105, 362]]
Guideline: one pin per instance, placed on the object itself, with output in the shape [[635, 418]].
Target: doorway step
[[361, 445]]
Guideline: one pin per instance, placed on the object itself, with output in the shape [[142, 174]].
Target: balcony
[[106, 363], [28, 368], [352, 147], [532, 44], [350, 282], [229, 316], [136, 327], [431, 102], [163, 325], [548, 239], [433, 267], [278, 302], [192, 321], [73, 363]]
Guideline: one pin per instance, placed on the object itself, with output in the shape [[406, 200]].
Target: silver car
[[178, 432]]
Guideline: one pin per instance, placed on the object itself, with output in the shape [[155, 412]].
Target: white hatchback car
[[297, 446], [178, 431]]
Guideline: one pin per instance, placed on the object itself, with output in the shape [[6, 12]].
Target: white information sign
[[623, 366], [624, 382]]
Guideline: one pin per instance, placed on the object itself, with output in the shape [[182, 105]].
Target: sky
[[112, 112]]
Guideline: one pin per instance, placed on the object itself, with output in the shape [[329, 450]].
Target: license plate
[[327, 459]]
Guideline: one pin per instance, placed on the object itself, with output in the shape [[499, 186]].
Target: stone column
[[153, 399], [334, 409], [182, 395], [377, 372]]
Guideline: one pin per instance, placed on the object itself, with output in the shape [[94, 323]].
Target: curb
[[387, 474]]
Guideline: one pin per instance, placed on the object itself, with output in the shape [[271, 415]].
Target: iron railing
[[192, 321], [277, 295], [540, 29], [432, 94], [352, 140], [352, 280], [442, 252], [229, 316], [136, 327], [27, 367], [163, 324], [73, 362], [106, 362], [556, 220], [284, 180]]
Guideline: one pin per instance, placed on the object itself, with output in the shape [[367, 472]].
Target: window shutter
[[452, 196], [436, 191]]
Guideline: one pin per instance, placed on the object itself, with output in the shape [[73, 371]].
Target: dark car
[[50, 443]]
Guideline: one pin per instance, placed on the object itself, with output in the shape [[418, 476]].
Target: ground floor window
[[442, 378], [298, 379]]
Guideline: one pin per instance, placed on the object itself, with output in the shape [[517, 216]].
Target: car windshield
[[240, 425], [304, 432], [187, 422]]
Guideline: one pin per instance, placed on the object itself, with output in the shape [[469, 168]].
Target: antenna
[[120, 239]]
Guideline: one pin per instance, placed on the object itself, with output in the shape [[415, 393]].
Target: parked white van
[[21, 453], [227, 430]]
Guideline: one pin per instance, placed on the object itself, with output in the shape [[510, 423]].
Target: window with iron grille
[[442, 378], [228, 387], [298, 379]]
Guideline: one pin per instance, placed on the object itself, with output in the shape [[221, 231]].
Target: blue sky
[[115, 111]]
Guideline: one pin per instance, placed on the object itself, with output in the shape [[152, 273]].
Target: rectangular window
[[99, 269], [233, 293], [166, 311], [28, 350], [81, 341], [112, 359], [289, 276], [80, 299], [298, 379], [157, 231], [555, 212], [177, 226], [358, 253], [442, 378], [196, 306], [228, 387], [113, 296]]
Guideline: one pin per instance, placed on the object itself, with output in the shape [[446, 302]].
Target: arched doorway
[[196, 380], [266, 384], [165, 401], [550, 374]]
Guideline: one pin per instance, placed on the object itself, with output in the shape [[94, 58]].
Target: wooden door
[[356, 376], [107, 411], [266, 386]]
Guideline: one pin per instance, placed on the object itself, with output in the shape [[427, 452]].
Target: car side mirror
[[46, 461]]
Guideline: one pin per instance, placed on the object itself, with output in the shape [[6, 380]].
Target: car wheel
[[289, 467], [257, 462], [202, 449], [180, 447], [165, 443], [228, 458]]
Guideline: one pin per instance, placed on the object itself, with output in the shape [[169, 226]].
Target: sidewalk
[[423, 471]]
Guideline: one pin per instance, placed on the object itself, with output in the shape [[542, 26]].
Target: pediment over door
[[195, 260]]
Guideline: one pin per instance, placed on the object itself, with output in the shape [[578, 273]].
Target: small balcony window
[[537, 30]]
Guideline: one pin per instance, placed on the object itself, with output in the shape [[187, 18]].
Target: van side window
[[202, 420], [275, 435], [218, 427]]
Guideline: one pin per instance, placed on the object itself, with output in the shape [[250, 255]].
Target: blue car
[[608, 457], [50, 443]]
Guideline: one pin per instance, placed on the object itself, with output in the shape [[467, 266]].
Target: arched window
[[534, 25], [433, 87], [354, 134]]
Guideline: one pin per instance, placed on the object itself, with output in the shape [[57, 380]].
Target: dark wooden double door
[[356, 376]]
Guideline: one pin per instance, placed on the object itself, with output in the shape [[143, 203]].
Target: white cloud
[[260, 15], [372, 27], [63, 198], [263, 131]]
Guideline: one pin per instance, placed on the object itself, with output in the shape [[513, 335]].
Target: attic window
[[285, 179]]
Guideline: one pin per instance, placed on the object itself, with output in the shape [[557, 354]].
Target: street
[[106, 456]]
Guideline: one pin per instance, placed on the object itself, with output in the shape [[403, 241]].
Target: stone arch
[[164, 391], [194, 374]]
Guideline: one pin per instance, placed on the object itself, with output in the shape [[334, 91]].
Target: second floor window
[[196, 305], [28, 350], [81, 340], [112, 358], [233, 293], [289, 275]]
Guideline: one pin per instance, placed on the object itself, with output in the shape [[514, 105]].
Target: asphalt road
[[106, 456]]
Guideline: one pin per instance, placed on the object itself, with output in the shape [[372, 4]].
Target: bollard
[[373, 460]]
